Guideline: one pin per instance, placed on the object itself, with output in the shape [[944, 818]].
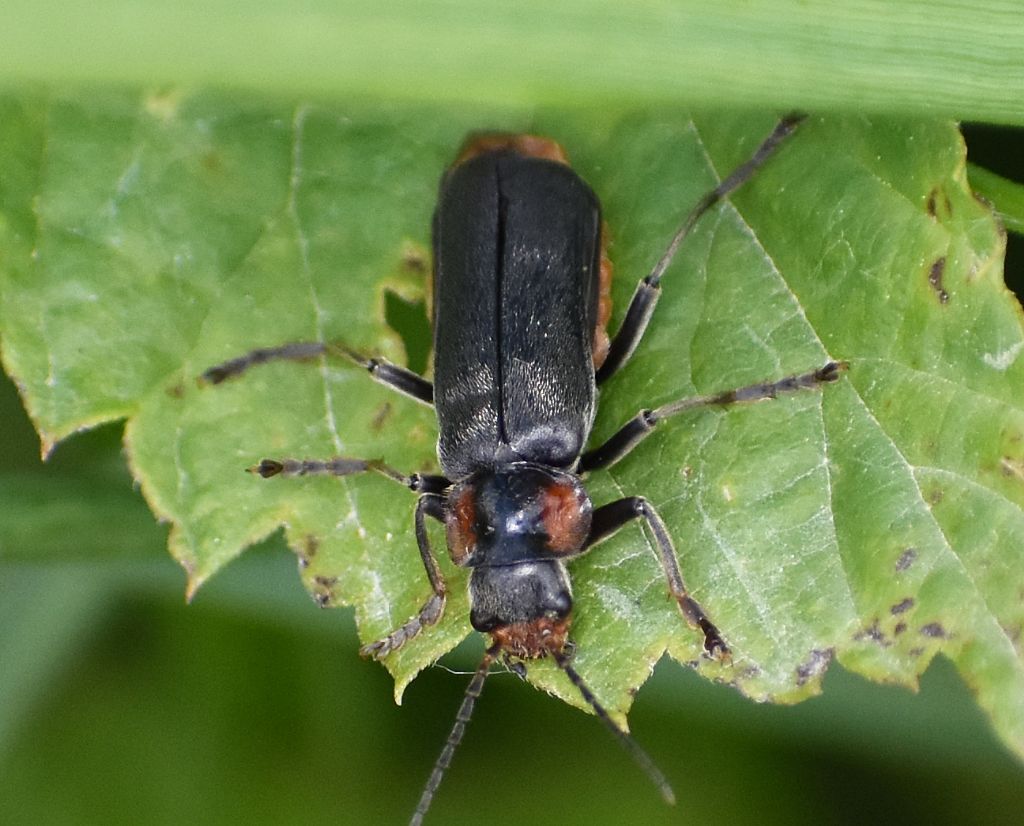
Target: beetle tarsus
[[390, 375], [428, 615], [714, 645], [267, 468], [294, 351]]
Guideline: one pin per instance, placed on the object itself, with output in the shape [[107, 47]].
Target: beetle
[[521, 305]]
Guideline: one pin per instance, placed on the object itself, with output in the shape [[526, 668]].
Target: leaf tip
[[194, 579], [46, 447]]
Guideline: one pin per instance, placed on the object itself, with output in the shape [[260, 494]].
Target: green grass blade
[[957, 59]]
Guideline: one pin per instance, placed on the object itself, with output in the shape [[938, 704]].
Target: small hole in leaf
[[409, 320]]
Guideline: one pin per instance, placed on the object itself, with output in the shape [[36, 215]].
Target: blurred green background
[[121, 704]]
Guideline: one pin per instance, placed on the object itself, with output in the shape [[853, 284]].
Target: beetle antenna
[[476, 685], [783, 129], [641, 757]]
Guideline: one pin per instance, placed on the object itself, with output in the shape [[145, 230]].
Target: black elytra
[[517, 245], [521, 302]]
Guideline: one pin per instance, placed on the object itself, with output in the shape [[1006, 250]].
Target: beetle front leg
[[429, 504], [421, 483], [609, 518]]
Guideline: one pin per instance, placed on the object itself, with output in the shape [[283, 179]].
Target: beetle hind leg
[[609, 518]]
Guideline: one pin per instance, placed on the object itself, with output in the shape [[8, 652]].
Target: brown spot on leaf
[[814, 665], [935, 496], [934, 630], [176, 391], [873, 633], [381, 416], [1012, 468], [902, 606], [414, 260], [938, 204], [935, 274], [916, 652], [900, 628], [906, 559], [323, 590], [306, 551]]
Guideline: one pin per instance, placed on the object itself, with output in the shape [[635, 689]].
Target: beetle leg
[[343, 466], [641, 306], [609, 518], [390, 375], [638, 313], [643, 423], [429, 504]]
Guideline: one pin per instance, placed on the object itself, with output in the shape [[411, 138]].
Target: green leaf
[[878, 521]]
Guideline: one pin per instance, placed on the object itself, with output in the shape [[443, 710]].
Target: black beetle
[[521, 302]]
